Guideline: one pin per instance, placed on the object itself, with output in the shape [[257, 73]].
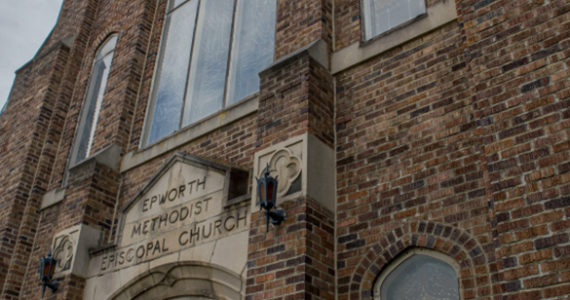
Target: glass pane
[[398, 11], [106, 65], [171, 78], [376, 17], [421, 277], [108, 47], [86, 122], [383, 15], [209, 61], [417, 7], [174, 3], [252, 49]]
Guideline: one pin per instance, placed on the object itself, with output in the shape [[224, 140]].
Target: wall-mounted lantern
[[47, 268], [267, 195]]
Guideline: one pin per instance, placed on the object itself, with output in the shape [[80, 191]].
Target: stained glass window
[[418, 277]]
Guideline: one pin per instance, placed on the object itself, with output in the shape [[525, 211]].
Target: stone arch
[[181, 280], [96, 43], [454, 242], [102, 38]]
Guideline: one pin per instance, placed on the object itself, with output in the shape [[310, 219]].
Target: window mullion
[[232, 36], [185, 94]]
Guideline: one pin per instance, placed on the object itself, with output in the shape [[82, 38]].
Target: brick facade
[[455, 140]]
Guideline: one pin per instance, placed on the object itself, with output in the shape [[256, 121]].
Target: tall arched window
[[93, 100], [418, 275]]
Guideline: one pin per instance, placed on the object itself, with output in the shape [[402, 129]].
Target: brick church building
[[421, 150]]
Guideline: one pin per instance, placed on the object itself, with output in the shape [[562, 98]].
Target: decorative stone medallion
[[70, 248], [63, 252], [303, 165], [286, 167]]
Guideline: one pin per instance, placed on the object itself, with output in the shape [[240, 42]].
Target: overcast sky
[[24, 25]]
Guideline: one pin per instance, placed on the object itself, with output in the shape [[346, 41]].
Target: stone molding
[[317, 50], [52, 197], [109, 156], [184, 279]]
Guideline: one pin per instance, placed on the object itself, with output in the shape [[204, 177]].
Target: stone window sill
[[192, 132]]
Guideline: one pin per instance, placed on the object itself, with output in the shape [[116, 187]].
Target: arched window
[[418, 275], [93, 100]]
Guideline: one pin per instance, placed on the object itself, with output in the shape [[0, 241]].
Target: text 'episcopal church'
[[290, 149]]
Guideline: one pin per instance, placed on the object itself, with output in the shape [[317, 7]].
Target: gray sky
[[24, 25]]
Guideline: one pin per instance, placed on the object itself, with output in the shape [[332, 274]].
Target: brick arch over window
[[100, 38], [456, 243]]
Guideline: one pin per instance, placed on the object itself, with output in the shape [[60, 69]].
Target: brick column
[[295, 260], [90, 201], [27, 162]]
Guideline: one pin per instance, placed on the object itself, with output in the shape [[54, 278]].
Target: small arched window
[[93, 99], [418, 275]]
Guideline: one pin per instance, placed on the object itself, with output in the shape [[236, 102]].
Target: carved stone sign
[[181, 207]]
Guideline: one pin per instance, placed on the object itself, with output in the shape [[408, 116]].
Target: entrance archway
[[184, 281]]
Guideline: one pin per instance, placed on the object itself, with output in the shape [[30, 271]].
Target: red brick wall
[[464, 128], [520, 61], [407, 152], [347, 21], [94, 202], [294, 260], [117, 109], [28, 161], [300, 22], [455, 141], [78, 26], [295, 98]]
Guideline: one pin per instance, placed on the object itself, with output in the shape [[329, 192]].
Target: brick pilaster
[[294, 260]]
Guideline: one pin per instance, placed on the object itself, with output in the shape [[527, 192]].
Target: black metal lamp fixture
[[47, 268], [267, 195]]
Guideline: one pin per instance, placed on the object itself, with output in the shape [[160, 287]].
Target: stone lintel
[[52, 197]]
